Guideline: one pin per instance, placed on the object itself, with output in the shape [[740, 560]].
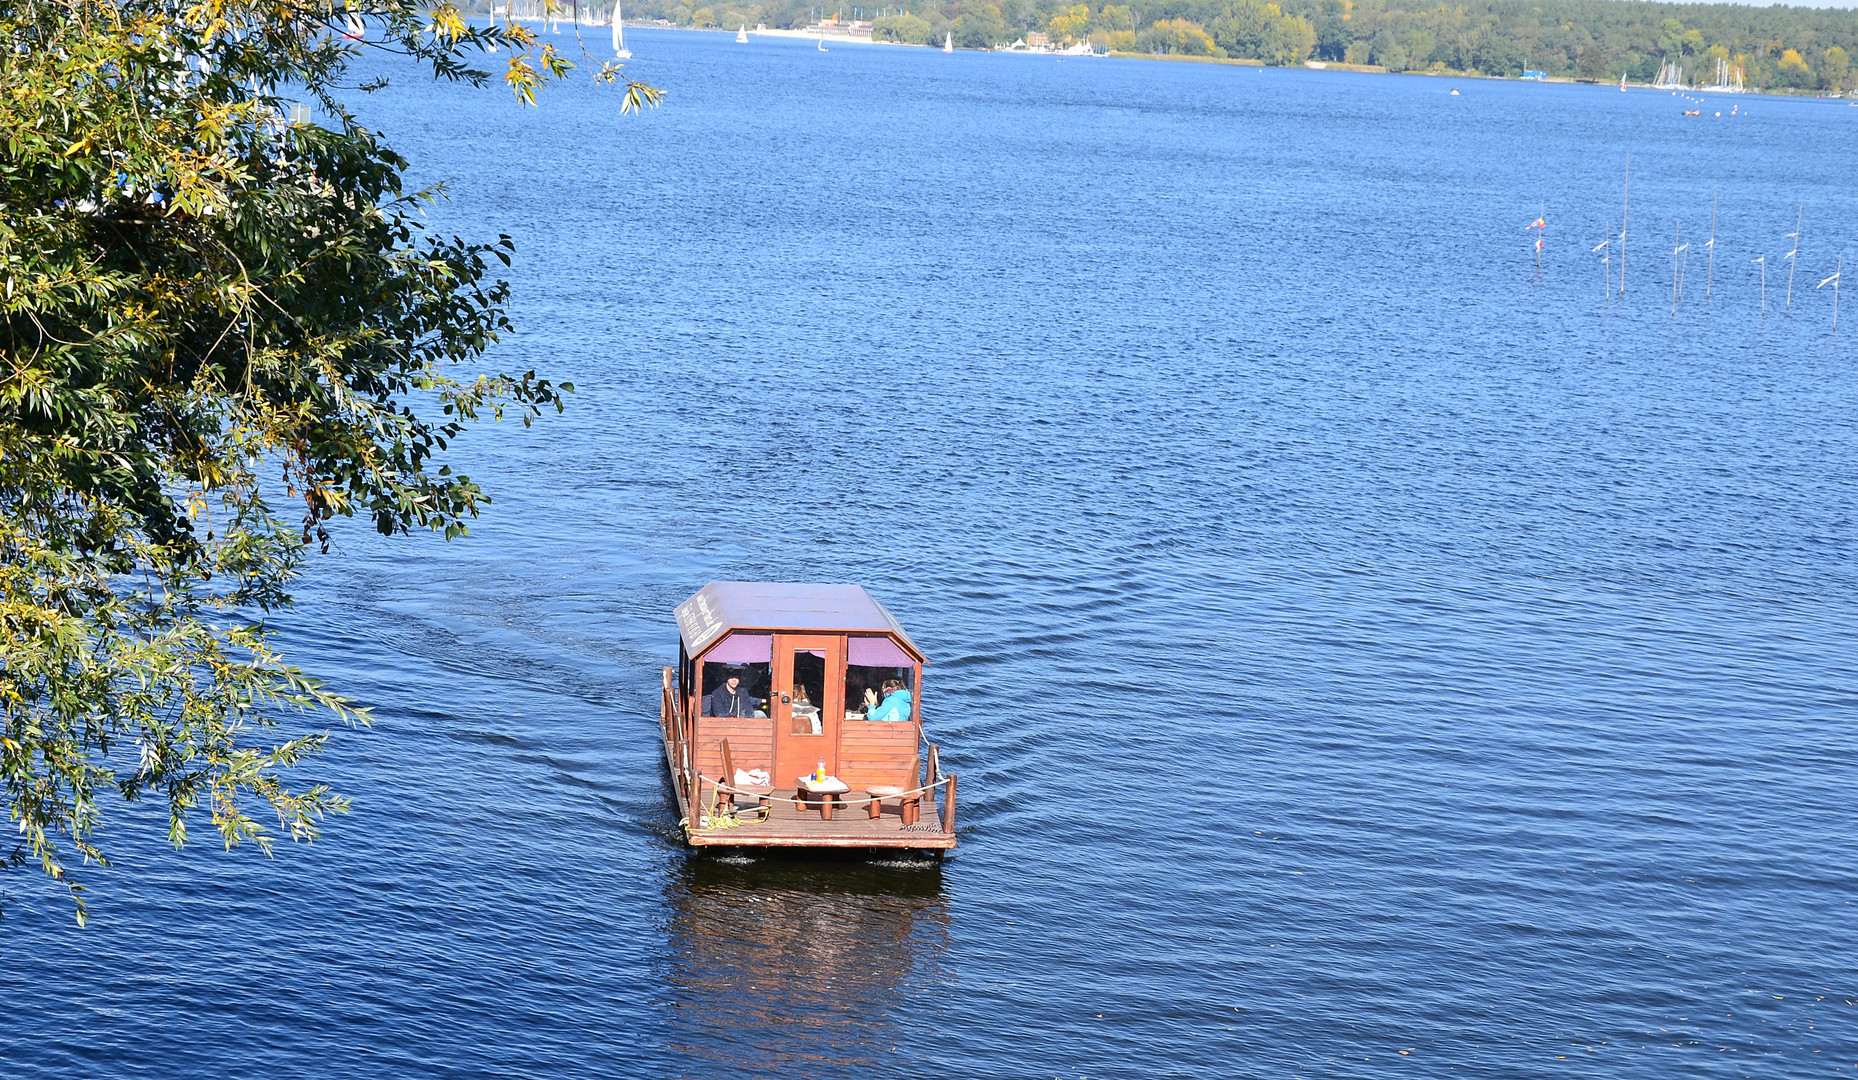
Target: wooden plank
[[880, 731], [751, 743], [885, 764], [878, 754], [916, 841]]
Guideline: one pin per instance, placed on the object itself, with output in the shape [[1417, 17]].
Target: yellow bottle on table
[[820, 776]]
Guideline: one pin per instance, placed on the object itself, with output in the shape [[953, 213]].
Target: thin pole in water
[[1763, 260], [1624, 214], [1792, 256], [1606, 263], [1683, 269], [1835, 282], [1675, 252], [1711, 278]]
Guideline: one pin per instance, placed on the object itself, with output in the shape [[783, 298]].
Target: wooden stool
[[877, 796]]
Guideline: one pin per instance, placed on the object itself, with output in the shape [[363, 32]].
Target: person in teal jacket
[[896, 704]]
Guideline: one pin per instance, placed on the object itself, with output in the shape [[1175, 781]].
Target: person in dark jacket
[[730, 699]]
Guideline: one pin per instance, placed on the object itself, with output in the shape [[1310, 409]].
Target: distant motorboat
[[619, 35], [741, 36], [1454, 91]]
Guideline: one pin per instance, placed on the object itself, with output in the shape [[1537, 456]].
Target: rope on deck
[[729, 821]]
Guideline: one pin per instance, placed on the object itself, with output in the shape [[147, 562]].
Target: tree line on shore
[[1790, 49]]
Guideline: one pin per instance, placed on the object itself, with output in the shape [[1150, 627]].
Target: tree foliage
[[223, 330], [906, 29]]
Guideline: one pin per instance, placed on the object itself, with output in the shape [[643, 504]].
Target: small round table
[[827, 790]]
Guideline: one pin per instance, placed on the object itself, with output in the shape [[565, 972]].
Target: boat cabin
[[794, 719]]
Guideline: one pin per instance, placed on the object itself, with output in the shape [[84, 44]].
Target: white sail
[[948, 43], [741, 36], [1728, 79], [619, 35]]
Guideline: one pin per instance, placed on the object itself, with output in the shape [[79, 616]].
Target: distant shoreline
[[1228, 61]]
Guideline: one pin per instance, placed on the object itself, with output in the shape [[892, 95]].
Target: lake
[[1360, 649]]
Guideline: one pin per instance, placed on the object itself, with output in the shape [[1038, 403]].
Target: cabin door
[[807, 703]]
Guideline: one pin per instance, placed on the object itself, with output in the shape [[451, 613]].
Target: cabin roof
[[724, 606]]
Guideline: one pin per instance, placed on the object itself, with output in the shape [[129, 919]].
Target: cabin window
[[809, 692], [747, 658], [870, 663], [749, 696]]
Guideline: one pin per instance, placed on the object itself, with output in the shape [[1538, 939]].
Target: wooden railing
[[677, 734], [932, 775]]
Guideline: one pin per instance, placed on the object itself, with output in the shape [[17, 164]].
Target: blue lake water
[[1360, 651]]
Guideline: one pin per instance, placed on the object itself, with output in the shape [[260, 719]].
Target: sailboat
[[948, 43], [822, 45], [619, 36], [1728, 79], [1622, 82], [741, 36], [357, 30]]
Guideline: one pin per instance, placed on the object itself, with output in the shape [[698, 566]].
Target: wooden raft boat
[[778, 684]]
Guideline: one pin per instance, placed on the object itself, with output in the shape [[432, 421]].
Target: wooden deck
[[791, 826]]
